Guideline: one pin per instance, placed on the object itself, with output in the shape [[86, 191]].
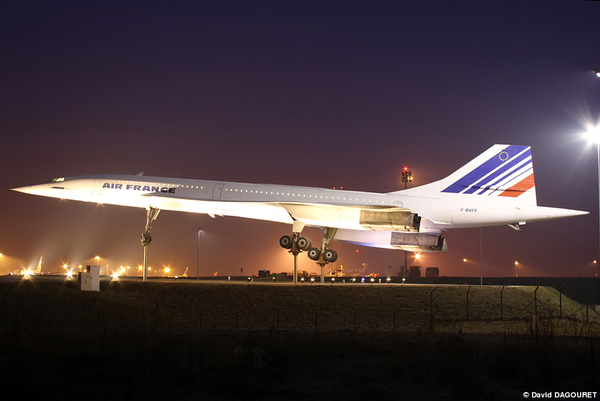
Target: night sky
[[323, 94]]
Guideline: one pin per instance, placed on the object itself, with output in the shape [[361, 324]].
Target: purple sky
[[306, 93]]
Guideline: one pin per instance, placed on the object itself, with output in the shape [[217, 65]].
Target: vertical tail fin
[[502, 170]]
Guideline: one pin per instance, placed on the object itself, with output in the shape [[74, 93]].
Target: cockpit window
[[58, 179]]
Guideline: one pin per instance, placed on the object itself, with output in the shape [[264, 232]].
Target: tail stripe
[[520, 187], [512, 174], [507, 167]]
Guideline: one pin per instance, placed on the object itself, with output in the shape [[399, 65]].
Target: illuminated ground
[[186, 340]]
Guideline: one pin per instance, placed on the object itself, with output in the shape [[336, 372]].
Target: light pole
[[198, 254], [516, 264], [406, 178], [593, 135]]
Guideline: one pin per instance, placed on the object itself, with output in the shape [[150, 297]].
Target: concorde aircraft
[[495, 188]]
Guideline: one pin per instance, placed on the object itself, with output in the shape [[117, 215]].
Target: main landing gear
[[296, 244]]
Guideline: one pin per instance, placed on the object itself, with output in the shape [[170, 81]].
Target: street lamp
[[198, 254], [593, 136], [516, 264], [595, 268], [406, 178]]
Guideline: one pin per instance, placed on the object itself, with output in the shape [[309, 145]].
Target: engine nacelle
[[390, 221], [418, 242]]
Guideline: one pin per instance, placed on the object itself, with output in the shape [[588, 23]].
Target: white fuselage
[[495, 188], [286, 204]]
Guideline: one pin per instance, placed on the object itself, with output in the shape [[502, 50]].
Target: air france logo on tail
[[508, 173]]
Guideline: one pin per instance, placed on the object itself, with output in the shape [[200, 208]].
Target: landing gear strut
[[296, 244], [324, 255], [151, 215]]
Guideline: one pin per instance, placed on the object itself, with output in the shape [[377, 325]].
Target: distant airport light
[[115, 276], [406, 176], [372, 280], [597, 72], [312, 280], [418, 256], [389, 280]]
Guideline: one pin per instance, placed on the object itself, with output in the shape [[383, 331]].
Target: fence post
[[468, 289], [501, 302], [535, 299], [560, 295], [431, 313]]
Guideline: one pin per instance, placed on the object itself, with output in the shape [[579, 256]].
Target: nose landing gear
[[151, 215]]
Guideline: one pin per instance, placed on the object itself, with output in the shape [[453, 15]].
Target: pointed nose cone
[[25, 190], [39, 189]]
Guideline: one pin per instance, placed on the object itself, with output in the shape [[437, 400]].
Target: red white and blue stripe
[[509, 173]]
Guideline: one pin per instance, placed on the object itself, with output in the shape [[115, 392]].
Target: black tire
[[286, 241], [304, 243], [314, 253], [330, 255]]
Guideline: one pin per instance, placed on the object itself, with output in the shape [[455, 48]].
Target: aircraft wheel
[[286, 241], [146, 239], [330, 255], [304, 243], [314, 253]]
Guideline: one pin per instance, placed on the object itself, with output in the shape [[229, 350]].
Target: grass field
[[183, 340]]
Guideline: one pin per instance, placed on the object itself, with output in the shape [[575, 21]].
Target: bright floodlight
[[593, 134], [597, 72]]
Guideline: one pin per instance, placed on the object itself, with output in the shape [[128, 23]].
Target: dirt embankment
[[217, 341]]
